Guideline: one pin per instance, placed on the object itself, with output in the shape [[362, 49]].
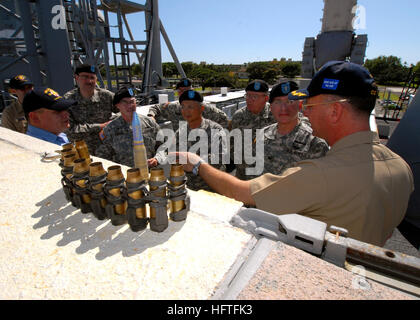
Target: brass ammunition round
[[69, 151], [69, 159], [115, 174], [177, 170], [67, 146], [82, 150], [96, 170], [177, 205], [157, 174], [134, 176], [80, 166]]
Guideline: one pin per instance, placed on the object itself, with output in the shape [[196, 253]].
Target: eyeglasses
[[254, 96], [278, 103], [305, 106]]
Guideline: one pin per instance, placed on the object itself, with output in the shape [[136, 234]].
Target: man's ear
[[336, 112], [33, 117]]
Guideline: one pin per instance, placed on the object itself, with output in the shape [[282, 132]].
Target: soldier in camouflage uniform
[[192, 111], [117, 136], [256, 115], [13, 116], [93, 111], [172, 110], [290, 140]]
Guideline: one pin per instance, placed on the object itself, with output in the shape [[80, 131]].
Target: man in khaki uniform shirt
[[359, 185], [13, 117]]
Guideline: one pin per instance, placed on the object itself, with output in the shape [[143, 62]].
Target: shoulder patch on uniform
[[102, 135]]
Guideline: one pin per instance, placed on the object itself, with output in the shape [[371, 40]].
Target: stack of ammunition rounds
[[80, 180], [114, 189], [136, 193], [97, 179], [158, 200], [178, 196], [108, 195]]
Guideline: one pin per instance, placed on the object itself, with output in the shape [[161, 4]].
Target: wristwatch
[[196, 167]]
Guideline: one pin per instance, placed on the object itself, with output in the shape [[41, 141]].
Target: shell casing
[[115, 174], [81, 166], [134, 176], [67, 146], [96, 170], [83, 150], [177, 170], [157, 174]]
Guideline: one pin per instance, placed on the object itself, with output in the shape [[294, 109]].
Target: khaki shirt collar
[[363, 137]]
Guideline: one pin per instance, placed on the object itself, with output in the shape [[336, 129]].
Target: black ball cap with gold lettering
[[19, 82], [45, 98], [340, 78]]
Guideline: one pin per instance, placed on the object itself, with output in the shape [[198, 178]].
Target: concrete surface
[[288, 273], [50, 250]]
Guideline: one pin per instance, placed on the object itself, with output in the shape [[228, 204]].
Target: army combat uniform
[[117, 141], [13, 117], [172, 111], [87, 115], [245, 119], [211, 128], [284, 151]]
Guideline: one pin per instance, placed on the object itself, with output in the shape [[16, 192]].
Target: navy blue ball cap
[[19, 82], [184, 83], [123, 92], [191, 95], [45, 98], [257, 86], [339, 78], [282, 89], [86, 68]]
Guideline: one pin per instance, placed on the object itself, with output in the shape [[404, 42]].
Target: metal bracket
[[293, 229]]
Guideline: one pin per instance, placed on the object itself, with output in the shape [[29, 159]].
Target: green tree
[[256, 70], [291, 69], [387, 70], [136, 70], [416, 70], [188, 67], [169, 69]]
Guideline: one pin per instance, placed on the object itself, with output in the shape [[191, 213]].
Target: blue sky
[[240, 31]]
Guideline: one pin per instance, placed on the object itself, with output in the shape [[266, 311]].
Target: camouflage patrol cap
[[257, 86], [183, 83], [123, 92], [85, 68], [191, 95], [19, 82], [282, 89]]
